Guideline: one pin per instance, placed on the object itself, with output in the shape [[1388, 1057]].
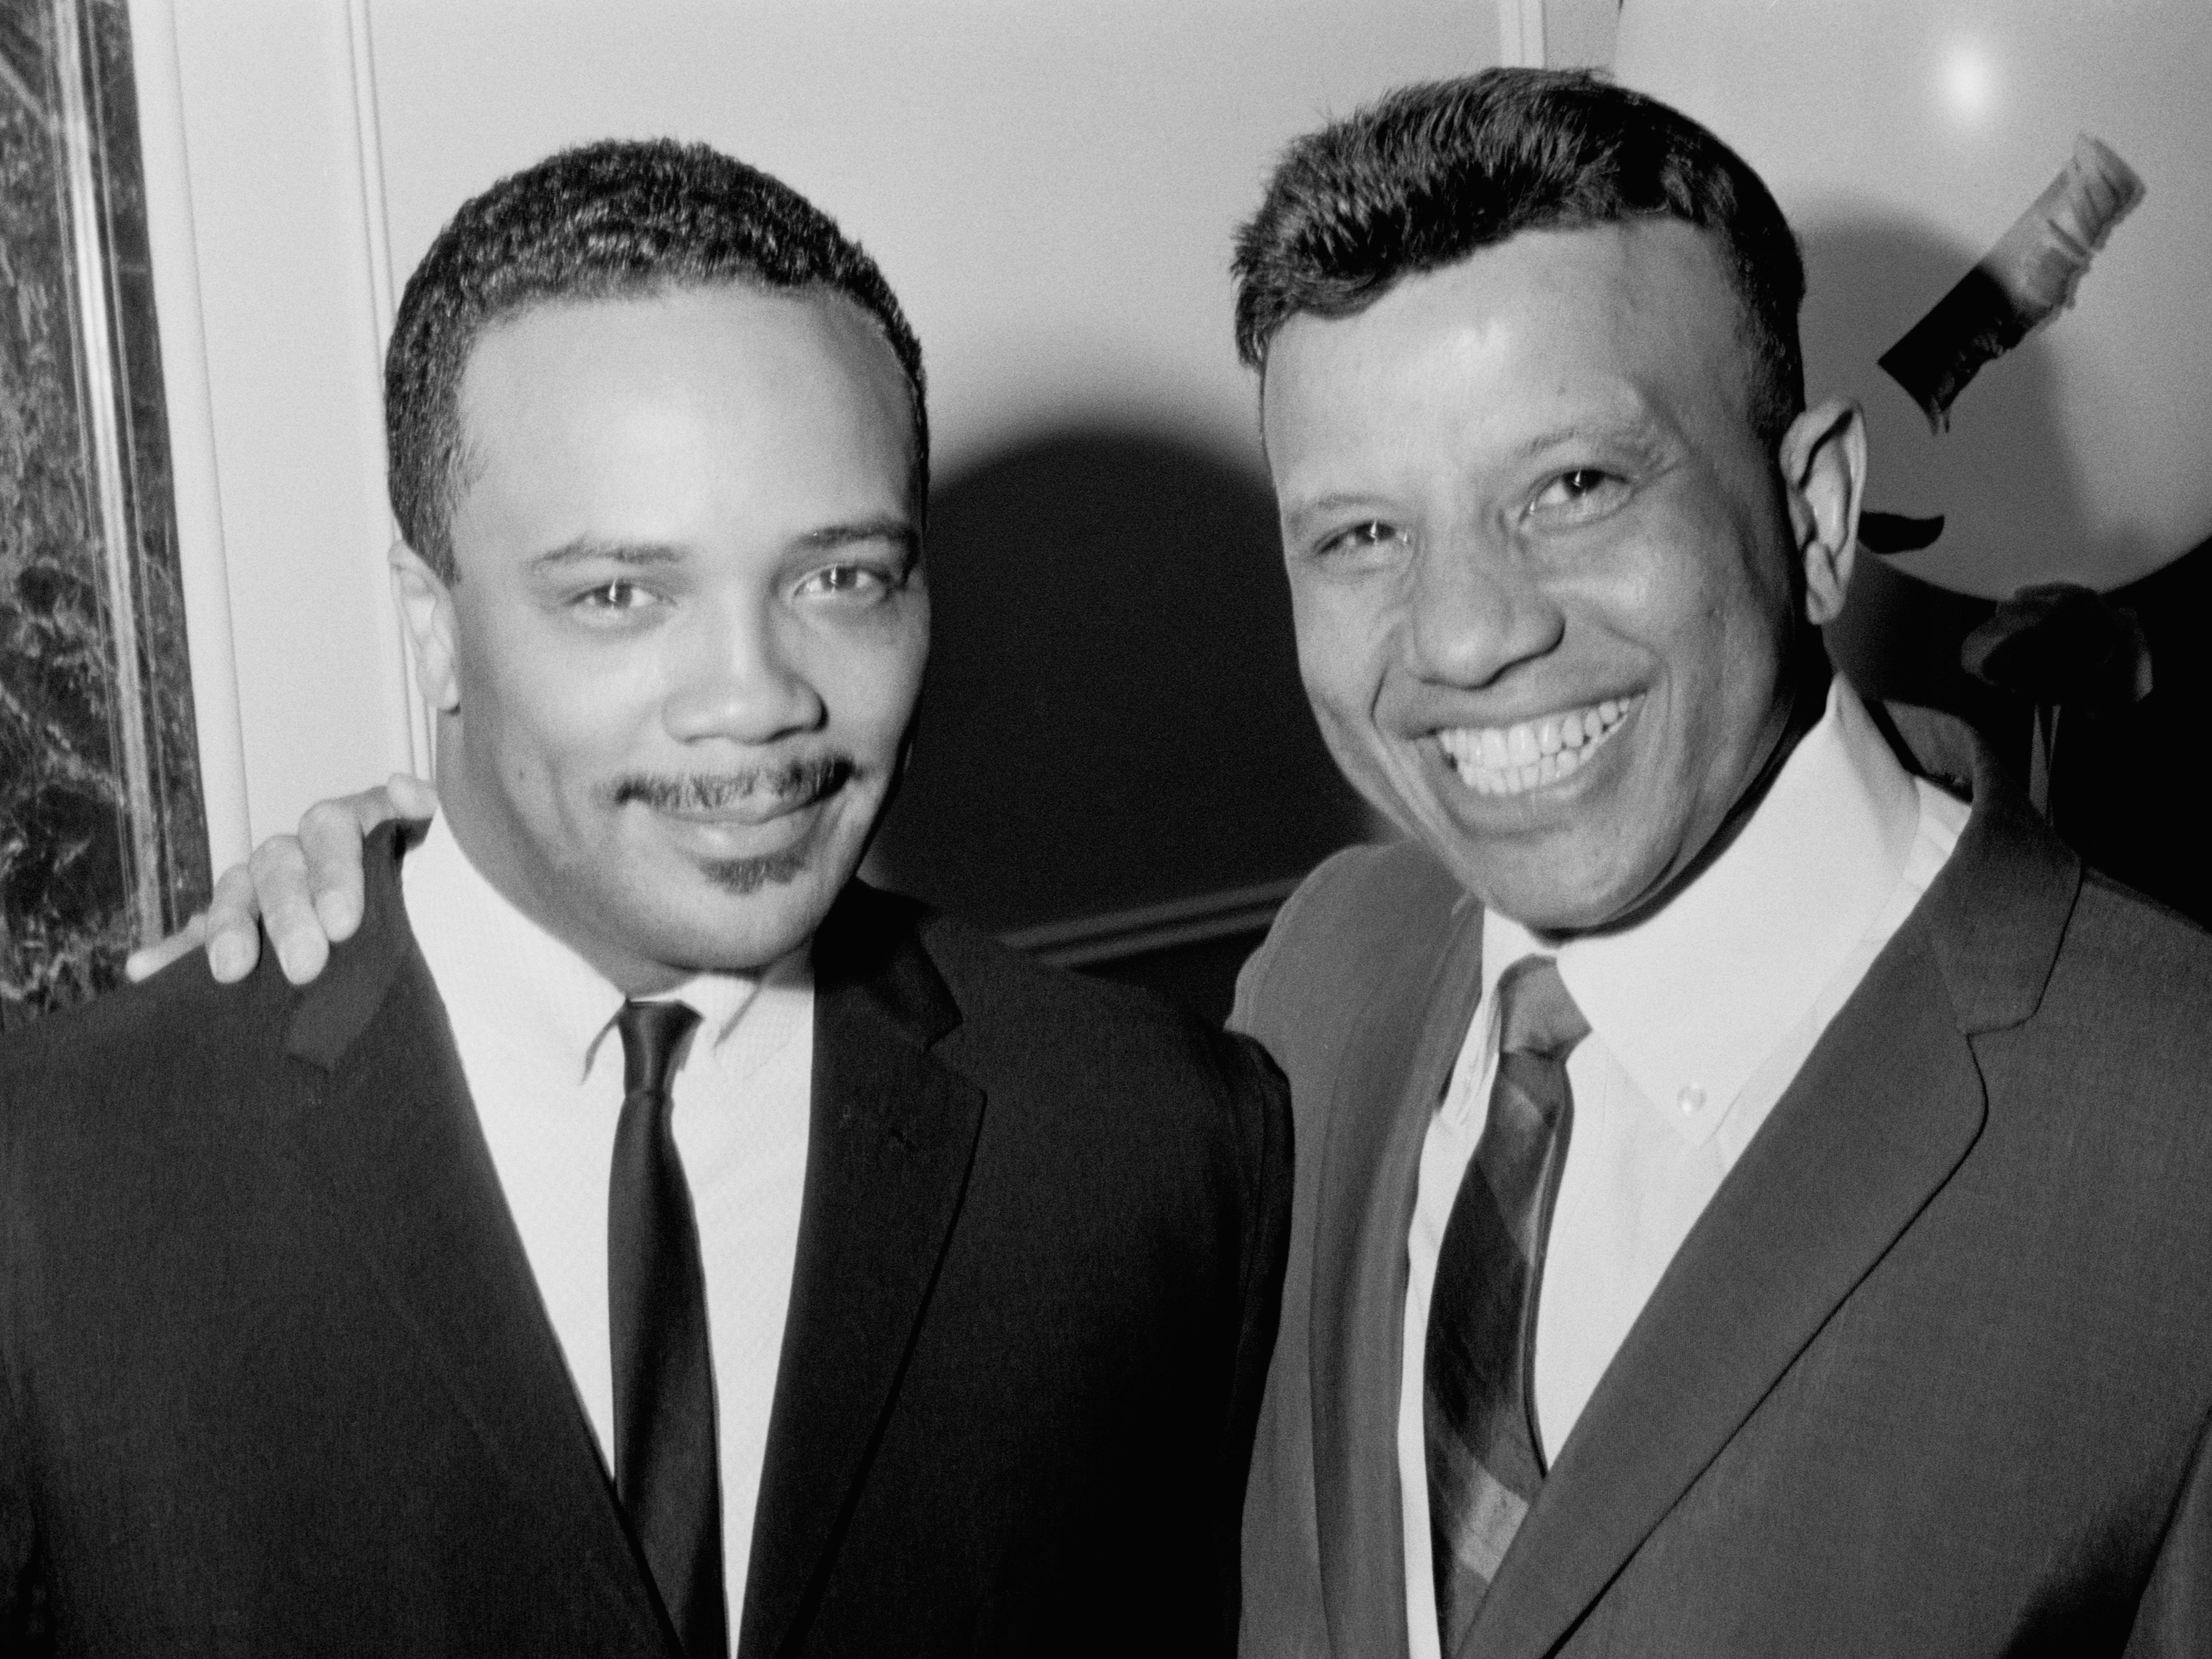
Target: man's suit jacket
[[275, 1377], [1931, 1375]]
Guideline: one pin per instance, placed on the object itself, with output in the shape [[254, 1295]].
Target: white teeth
[[1509, 760]]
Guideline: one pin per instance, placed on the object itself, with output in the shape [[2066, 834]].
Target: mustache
[[799, 784]]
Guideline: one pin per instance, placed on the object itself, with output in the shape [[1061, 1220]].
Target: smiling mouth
[[1511, 760]]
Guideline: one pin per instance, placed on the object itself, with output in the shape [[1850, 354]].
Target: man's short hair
[[615, 220], [1428, 174]]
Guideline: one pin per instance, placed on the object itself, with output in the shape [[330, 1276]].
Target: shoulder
[[1017, 1012], [1080, 1062], [201, 1039], [2133, 974], [170, 1025], [2105, 1085], [1361, 913], [1365, 894], [98, 1101]]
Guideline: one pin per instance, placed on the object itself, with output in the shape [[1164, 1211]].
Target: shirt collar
[[501, 972], [1691, 999]]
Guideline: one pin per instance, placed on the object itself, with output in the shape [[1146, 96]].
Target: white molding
[[368, 156], [1520, 34], [1118, 934], [195, 479]]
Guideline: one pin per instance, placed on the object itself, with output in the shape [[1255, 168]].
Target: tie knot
[[1535, 1014], [651, 1033]]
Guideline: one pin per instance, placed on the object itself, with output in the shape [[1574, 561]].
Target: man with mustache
[[644, 1238], [1753, 1199]]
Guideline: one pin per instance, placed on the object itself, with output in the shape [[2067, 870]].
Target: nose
[[1475, 609], [733, 674]]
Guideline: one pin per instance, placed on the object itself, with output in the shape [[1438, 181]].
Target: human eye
[[847, 580], [1577, 495], [618, 596], [1354, 540]]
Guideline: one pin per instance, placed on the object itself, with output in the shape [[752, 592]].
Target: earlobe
[[1823, 462], [426, 607]]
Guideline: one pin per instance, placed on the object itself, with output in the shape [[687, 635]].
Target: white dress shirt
[[534, 1024], [1700, 1016]]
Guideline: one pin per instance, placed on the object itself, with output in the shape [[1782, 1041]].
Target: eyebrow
[[596, 550], [1632, 424], [644, 556], [885, 527]]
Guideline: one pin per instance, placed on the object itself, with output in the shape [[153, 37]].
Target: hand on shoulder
[[305, 889]]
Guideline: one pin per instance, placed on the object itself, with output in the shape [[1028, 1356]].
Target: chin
[[1548, 889], [707, 924], [746, 945]]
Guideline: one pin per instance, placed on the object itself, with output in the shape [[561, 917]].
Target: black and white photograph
[[1250, 828]]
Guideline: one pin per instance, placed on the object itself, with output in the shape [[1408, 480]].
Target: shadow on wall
[[1113, 719], [2122, 789]]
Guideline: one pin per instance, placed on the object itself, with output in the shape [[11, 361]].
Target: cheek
[[1714, 615], [1723, 641], [870, 682], [1336, 651], [547, 708]]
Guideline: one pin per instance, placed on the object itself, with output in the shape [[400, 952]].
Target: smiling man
[[1751, 1200], [644, 1238]]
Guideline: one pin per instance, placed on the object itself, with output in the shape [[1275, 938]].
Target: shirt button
[[1690, 1100]]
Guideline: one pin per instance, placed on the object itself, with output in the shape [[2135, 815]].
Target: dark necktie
[[1486, 1458], [666, 1470]]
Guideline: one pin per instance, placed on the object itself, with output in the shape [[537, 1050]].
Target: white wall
[[1050, 188]]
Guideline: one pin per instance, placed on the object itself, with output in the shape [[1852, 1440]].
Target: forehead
[[1627, 321], [590, 407]]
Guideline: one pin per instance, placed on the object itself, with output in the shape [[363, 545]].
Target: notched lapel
[[1883, 1109], [1386, 1090], [1886, 1107], [389, 1141], [892, 1138]]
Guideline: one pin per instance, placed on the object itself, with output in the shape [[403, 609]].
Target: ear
[[1823, 460], [426, 606]]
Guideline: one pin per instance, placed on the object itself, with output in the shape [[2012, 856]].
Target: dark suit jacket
[[275, 1377], [1931, 1375]]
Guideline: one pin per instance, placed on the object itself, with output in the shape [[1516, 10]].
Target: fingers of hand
[[368, 809], [149, 960], [411, 796], [279, 869], [330, 841], [231, 927]]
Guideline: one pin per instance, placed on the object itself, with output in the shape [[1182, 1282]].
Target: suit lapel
[[1885, 1108], [1392, 1075], [893, 1133], [389, 1139], [1878, 1117]]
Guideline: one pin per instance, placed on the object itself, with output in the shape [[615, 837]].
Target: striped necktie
[[1486, 1458]]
